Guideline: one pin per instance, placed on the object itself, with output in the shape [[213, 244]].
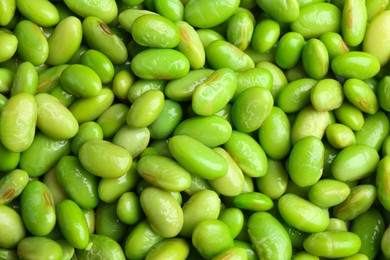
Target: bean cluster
[[195, 129]]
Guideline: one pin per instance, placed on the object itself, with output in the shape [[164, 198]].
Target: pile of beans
[[195, 129]]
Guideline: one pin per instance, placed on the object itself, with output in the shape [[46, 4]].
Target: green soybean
[[156, 63], [110, 189], [128, 208], [254, 201], [12, 184], [218, 234], [135, 140], [206, 14], [172, 9], [370, 227], [268, 237], [240, 29], [309, 218], [327, 95], [215, 92], [108, 223], [81, 80], [340, 136], [7, 8], [37, 208], [361, 95], [315, 58], [291, 42], [164, 172], [332, 244], [354, 22], [100, 63], [359, 201], [72, 223], [18, 122], [248, 154], [306, 161], [382, 178], [281, 10], [234, 58], [266, 33], [350, 116], [39, 247], [232, 184], [80, 185], [374, 136], [68, 35], [355, 64], [100, 37], [101, 246], [9, 44], [317, 19], [107, 10], [328, 192], [197, 158], [155, 31], [43, 154], [12, 227], [251, 108], [169, 248], [355, 162], [162, 211]]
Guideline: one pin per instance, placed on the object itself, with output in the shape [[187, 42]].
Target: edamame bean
[[49, 79], [248, 154], [206, 14], [332, 244], [355, 162], [306, 161], [12, 184], [295, 95], [370, 227], [340, 136], [110, 189], [359, 201], [256, 77], [82, 107], [334, 43], [72, 223], [191, 45], [160, 64], [361, 95], [8, 160], [354, 22], [315, 58], [234, 219], [197, 158], [232, 184], [176, 248], [240, 29], [13, 229], [140, 86], [100, 37], [107, 10], [251, 108], [254, 201], [99, 63], [37, 208], [274, 182], [140, 241], [162, 211], [355, 64], [18, 122], [135, 140], [269, 237], [385, 242], [128, 208], [292, 43], [80, 185], [107, 222], [81, 81], [9, 43], [215, 92], [39, 247], [87, 131], [276, 145], [303, 214], [113, 119], [64, 41], [309, 122], [164, 172], [266, 33], [54, 119], [382, 178], [7, 10], [101, 246], [43, 12], [316, 19], [211, 237], [350, 116], [6, 79], [172, 9], [375, 37], [105, 159], [234, 58], [327, 95], [281, 10], [43, 154], [121, 84], [155, 31], [328, 192]]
